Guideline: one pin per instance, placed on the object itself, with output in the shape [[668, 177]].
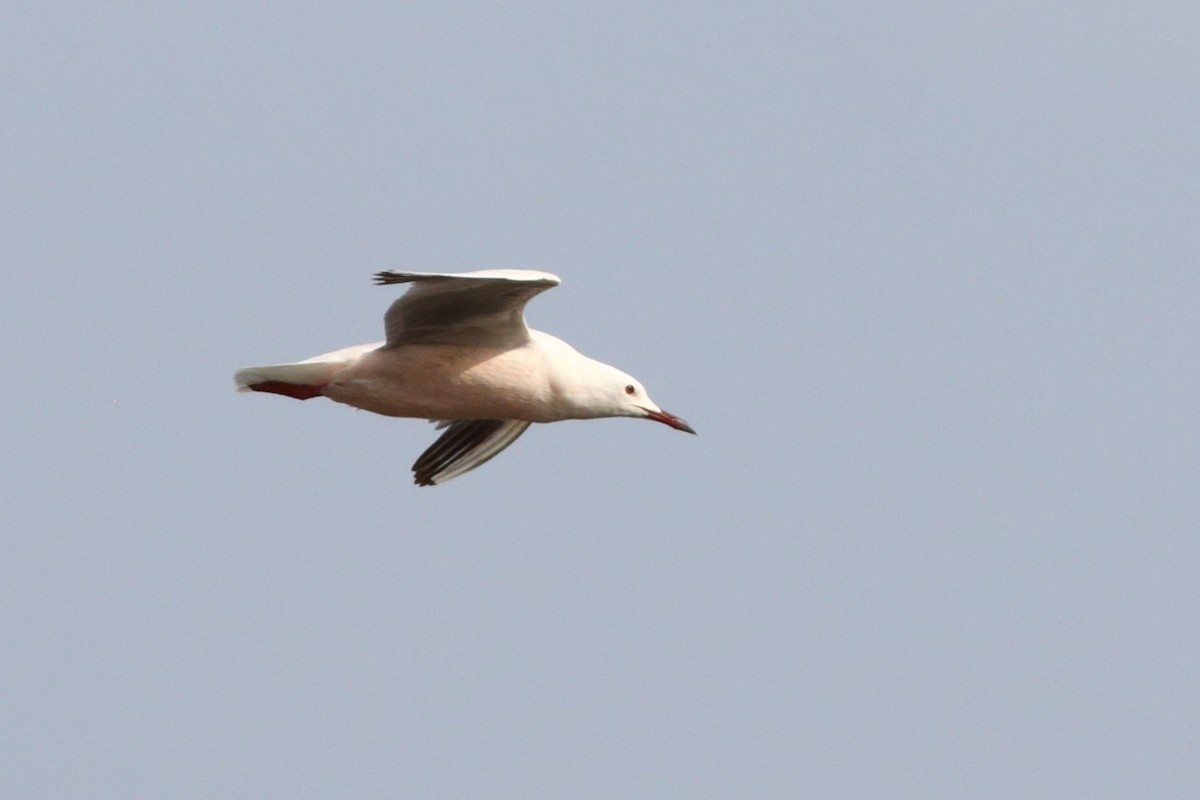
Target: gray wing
[[466, 444], [481, 308]]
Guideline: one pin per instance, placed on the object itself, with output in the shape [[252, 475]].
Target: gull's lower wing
[[482, 308], [466, 444]]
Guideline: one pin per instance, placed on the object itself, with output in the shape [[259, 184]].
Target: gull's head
[[616, 394]]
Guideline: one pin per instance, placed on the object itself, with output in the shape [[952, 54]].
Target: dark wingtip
[[423, 475]]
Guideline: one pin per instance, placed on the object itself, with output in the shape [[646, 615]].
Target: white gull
[[458, 352]]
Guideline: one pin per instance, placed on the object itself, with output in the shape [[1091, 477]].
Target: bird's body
[[458, 382], [458, 352]]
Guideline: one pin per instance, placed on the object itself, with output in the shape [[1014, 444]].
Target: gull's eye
[[629, 389]]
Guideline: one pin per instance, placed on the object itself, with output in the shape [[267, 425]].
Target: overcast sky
[[922, 276]]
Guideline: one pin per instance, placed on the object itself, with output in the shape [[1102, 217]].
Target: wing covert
[[481, 308]]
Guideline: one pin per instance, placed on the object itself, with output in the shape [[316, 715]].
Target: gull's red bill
[[670, 419]]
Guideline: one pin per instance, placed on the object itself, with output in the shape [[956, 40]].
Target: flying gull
[[458, 353]]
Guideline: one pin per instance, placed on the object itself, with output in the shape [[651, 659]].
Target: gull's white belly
[[446, 382]]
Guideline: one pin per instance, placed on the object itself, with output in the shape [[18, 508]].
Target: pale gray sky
[[923, 277]]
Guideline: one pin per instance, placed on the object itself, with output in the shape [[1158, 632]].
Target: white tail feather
[[301, 374], [310, 372]]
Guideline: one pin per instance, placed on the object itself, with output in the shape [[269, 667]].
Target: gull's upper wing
[[483, 308], [466, 444]]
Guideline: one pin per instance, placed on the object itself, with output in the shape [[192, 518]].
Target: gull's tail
[[302, 380]]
